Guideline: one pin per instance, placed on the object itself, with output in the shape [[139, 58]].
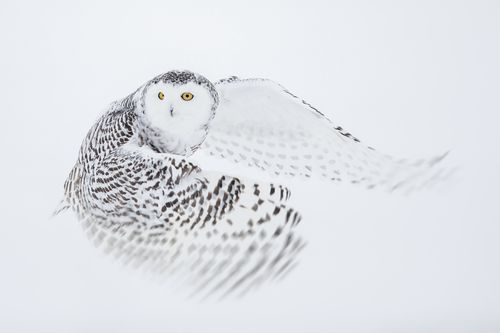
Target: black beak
[[171, 111]]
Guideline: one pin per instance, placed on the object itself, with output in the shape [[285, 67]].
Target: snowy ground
[[412, 79]]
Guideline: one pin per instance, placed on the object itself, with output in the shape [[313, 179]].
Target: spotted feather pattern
[[155, 210], [261, 124]]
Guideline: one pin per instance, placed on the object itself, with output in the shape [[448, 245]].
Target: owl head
[[175, 110]]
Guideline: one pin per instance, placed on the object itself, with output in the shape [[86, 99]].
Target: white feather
[[261, 124]]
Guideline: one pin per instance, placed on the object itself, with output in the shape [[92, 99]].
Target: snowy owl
[[140, 198]]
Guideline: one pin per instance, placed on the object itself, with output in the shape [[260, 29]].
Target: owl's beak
[[171, 111]]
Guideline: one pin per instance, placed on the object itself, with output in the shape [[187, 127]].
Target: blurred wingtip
[[61, 207], [439, 158]]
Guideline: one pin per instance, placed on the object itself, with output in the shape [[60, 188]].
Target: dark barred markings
[[157, 210]]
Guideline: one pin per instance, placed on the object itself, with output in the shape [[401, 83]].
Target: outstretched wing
[[261, 124], [160, 212]]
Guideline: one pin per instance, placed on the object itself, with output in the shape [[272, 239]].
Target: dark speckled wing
[[219, 233]]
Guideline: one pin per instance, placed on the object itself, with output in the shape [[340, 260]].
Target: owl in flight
[[141, 200]]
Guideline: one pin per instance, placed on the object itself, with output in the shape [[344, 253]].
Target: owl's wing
[[262, 124], [220, 233]]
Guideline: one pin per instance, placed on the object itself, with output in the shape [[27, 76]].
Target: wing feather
[[262, 124], [221, 234]]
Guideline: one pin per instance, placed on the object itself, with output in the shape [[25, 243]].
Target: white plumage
[[140, 198], [262, 124]]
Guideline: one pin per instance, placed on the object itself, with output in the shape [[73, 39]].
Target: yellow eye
[[187, 96], [161, 95]]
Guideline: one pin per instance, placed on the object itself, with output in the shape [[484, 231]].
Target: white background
[[412, 78]]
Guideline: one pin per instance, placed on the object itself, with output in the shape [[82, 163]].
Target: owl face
[[179, 105]]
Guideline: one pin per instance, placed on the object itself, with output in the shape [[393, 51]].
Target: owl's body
[[140, 198]]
